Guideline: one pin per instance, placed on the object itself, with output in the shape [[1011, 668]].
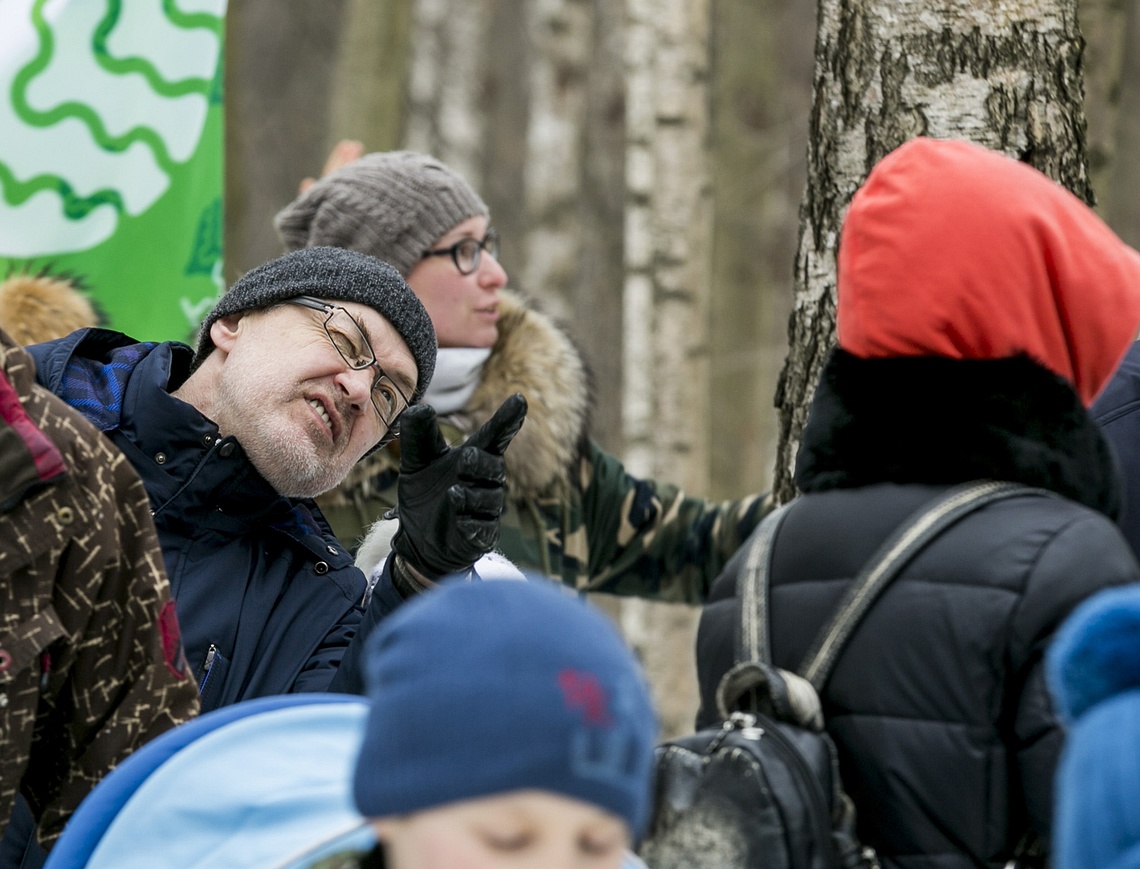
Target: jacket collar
[[89, 369], [940, 421], [534, 356], [28, 457]]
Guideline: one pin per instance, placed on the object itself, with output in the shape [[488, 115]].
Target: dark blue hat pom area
[[1096, 653], [1093, 670]]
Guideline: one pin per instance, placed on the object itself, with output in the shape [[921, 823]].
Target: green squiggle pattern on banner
[[123, 66], [74, 206], [160, 271], [74, 109]]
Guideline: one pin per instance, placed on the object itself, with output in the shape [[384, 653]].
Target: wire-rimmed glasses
[[352, 344]]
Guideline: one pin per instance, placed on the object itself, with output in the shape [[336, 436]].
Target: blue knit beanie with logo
[[1093, 670], [483, 688]]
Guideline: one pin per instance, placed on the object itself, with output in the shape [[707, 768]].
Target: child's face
[[521, 830]]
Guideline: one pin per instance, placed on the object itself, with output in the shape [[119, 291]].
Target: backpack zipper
[[821, 817]]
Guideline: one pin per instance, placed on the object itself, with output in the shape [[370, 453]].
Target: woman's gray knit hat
[[394, 205], [335, 275]]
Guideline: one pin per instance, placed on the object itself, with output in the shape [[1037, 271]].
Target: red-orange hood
[[953, 250]]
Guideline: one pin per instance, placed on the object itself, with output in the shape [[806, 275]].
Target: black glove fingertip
[[421, 441]]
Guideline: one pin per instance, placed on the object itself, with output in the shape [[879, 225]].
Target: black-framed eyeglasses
[[352, 345], [466, 252]]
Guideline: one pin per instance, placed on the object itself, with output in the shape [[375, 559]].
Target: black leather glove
[[450, 499]]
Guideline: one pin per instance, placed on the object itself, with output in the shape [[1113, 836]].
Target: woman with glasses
[[574, 513]]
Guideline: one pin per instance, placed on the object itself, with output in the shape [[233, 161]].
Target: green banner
[[111, 147]]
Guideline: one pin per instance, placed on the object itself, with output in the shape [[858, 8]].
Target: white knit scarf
[[457, 373]]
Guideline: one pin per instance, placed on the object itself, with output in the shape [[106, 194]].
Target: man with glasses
[[304, 366]]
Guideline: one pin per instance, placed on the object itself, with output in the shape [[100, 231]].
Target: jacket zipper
[[211, 653]]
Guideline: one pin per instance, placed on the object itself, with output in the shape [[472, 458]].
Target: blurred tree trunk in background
[[761, 92], [668, 257], [278, 82], [1112, 103], [1005, 76], [370, 78], [448, 69], [593, 300], [299, 77], [560, 35]]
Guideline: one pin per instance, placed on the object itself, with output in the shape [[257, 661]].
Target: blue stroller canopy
[[255, 784]]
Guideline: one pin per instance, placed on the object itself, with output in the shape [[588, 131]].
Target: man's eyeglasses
[[352, 345], [466, 252]]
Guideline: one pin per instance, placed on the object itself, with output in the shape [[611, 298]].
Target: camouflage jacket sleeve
[[649, 539], [97, 657]]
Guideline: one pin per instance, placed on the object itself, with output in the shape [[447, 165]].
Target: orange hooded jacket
[[1009, 263]]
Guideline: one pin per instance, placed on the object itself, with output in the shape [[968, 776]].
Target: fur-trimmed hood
[[933, 420], [536, 357]]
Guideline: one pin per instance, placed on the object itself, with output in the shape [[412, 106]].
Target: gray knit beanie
[[335, 275], [394, 205]]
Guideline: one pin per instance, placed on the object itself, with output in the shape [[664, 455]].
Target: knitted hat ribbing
[[522, 687], [394, 205], [334, 275]]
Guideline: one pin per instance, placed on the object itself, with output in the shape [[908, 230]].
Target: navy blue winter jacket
[[267, 598], [1117, 412]]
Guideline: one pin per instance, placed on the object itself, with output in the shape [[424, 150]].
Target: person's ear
[[224, 331], [384, 828]]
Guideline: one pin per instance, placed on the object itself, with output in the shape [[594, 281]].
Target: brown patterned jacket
[[91, 662]]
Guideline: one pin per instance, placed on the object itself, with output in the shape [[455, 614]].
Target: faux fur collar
[[937, 420], [537, 358]]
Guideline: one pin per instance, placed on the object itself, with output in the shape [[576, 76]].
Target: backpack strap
[[752, 639], [752, 683], [791, 694], [927, 523]]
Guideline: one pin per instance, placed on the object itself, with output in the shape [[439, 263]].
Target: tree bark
[[1004, 75], [560, 32], [594, 304], [507, 99], [370, 79]]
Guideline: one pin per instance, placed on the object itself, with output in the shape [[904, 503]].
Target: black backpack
[[763, 788]]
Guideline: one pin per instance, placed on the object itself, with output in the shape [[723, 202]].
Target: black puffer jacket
[[946, 734]]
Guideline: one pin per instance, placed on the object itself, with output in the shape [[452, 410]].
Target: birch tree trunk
[[668, 266], [1006, 75], [445, 87], [560, 32]]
